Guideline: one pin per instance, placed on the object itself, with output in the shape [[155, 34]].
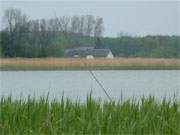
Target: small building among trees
[[89, 53]]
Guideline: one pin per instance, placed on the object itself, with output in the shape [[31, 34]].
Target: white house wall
[[110, 55]]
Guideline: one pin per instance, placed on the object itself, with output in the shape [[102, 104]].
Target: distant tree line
[[148, 46], [24, 37]]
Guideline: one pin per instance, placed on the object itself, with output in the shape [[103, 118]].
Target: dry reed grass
[[63, 63]]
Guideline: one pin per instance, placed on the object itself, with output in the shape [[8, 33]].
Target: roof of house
[[100, 52], [85, 51]]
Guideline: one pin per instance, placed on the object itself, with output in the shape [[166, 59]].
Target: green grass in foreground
[[146, 116]]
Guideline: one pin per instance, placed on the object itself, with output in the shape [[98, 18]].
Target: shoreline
[[15, 64]]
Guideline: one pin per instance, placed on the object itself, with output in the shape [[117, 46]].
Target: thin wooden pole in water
[[98, 82]]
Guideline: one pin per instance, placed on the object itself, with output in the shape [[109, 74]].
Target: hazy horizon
[[138, 18]]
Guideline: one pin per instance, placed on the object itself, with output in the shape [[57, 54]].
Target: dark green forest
[[23, 37]]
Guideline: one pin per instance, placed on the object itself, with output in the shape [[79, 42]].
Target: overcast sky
[[138, 18]]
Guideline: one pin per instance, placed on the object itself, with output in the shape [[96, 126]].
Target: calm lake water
[[77, 84]]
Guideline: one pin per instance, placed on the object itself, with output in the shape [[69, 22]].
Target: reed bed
[[95, 64], [41, 117]]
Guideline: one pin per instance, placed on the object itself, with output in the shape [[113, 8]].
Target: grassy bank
[[95, 64], [40, 117]]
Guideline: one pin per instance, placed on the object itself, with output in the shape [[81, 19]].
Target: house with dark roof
[[88, 52]]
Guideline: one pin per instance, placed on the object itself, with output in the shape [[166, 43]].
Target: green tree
[[98, 43]]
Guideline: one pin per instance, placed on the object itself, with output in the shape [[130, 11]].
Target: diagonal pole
[[98, 82]]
